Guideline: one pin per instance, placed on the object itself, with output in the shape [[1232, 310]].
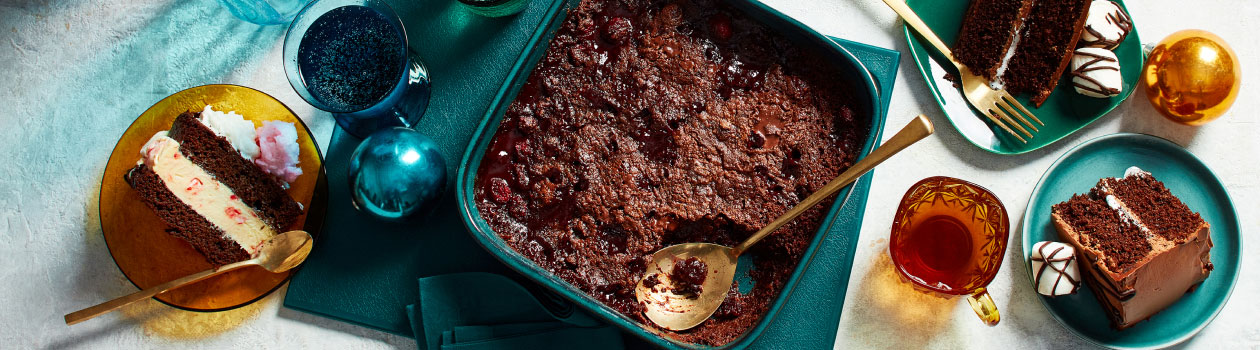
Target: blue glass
[[351, 58], [397, 173], [264, 12]]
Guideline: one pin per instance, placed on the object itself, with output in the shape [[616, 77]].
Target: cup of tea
[[948, 237]]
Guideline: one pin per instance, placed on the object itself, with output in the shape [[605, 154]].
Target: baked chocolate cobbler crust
[[649, 123]]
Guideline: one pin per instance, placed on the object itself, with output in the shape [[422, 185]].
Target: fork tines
[[1002, 107]]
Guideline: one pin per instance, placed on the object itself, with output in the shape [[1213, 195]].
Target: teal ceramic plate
[[1189, 179], [1064, 112]]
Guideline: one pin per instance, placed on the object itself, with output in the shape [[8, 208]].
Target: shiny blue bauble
[[396, 173]]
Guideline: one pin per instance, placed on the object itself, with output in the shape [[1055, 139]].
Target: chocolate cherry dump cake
[[688, 276], [651, 123]]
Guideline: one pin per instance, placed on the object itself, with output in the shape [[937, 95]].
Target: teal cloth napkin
[[485, 311]]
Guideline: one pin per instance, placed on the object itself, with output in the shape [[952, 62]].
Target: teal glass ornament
[[397, 173]]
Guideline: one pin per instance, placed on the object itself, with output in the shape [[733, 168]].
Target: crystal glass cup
[[351, 58], [949, 237]]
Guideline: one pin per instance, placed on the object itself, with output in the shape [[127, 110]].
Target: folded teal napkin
[[483, 311]]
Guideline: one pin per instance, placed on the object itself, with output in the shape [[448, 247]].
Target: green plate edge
[[1162, 329], [946, 26]]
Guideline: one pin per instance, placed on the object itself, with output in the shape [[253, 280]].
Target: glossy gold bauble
[[1192, 77]]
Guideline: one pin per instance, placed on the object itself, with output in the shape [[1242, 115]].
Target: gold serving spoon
[[279, 254], [679, 312]]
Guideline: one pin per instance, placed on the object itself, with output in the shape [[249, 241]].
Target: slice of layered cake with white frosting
[[219, 182], [1142, 247]]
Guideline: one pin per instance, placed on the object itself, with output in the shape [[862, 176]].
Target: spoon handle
[[106, 307], [918, 129]]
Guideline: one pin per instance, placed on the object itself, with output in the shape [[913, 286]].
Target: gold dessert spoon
[[278, 254], [679, 312]]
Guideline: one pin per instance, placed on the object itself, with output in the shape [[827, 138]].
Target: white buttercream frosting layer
[[1135, 171], [1121, 210]]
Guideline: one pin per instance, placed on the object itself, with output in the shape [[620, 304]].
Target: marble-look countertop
[[74, 74]]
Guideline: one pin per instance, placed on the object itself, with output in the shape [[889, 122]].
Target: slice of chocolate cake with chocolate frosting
[[1142, 248], [987, 33], [1021, 45]]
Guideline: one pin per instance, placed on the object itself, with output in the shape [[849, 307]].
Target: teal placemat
[[364, 272]]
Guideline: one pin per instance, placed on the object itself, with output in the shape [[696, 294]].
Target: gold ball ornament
[[1192, 77]]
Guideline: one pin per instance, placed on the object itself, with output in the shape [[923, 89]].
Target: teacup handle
[[984, 306]]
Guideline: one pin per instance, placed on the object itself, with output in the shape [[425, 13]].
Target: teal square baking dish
[[849, 67]]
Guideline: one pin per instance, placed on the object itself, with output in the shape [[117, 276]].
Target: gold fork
[[997, 105]]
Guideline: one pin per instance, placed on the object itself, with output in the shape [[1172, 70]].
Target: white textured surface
[[76, 73]]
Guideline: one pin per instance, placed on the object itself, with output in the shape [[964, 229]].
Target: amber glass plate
[[138, 240]]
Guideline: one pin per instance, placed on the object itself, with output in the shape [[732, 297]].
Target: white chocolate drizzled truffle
[[1096, 72], [1054, 268], [1105, 26]]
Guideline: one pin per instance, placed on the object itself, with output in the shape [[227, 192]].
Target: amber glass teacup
[[949, 237]]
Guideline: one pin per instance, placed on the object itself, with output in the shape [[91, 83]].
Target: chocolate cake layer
[[1156, 207], [1046, 43], [987, 32], [1100, 229], [650, 123], [1124, 216], [214, 154], [184, 221]]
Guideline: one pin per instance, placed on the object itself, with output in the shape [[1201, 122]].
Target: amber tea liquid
[[938, 250], [949, 236]]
